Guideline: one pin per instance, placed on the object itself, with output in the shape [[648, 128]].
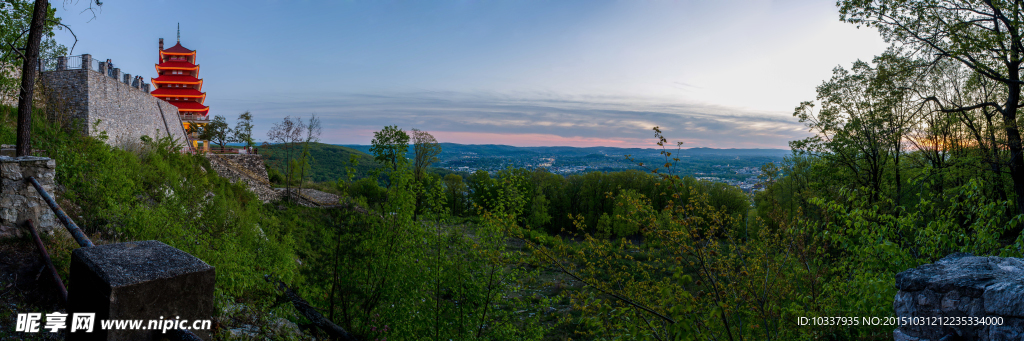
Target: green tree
[[425, 149], [625, 215], [538, 215], [243, 130], [217, 131], [389, 145], [15, 19], [984, 36], [865, 118], [455, 189], [38, 27], [306, 160], [287, 134], [482, 189]]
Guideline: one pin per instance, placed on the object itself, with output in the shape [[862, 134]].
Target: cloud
[[535, 119]]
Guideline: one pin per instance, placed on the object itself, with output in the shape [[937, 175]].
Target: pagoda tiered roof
[[178, 92], [191, 106], [178, 81], [176, 65], [177, 49]]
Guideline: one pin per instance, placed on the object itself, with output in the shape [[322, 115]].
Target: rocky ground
[[248, 169], [25, 287], [311, 197]]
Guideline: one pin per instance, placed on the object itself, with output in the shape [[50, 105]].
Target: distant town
[[737, 167]]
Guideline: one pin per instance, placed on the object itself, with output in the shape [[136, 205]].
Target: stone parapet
[[111, 107], [962, 289], [20, 201]]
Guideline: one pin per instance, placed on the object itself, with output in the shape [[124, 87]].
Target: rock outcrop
[[247, 168], [961, 297], [310, 197]]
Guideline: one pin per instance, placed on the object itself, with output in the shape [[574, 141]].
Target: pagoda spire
[[179, 32]]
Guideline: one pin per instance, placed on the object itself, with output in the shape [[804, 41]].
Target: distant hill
[[329, 161], [512, 151]]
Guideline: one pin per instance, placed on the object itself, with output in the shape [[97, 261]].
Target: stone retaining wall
[[20, 201], [124, 112]]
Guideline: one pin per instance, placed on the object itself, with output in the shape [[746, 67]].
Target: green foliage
[[538, 211], [368, 189], [159, 193], [15, 19], [288, 135], [456, 194], [331, 161], [587, 194], [243, 131], [690, 279], [864, 122], [274, 175], [425, 150], [389, 146], [216, 131], [625, 213], [384, 275]]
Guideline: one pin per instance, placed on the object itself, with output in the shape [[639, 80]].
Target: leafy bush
[[160, 194]]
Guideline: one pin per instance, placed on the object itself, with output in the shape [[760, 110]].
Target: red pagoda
[[179, 83]]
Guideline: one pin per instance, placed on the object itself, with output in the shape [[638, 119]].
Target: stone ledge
[[145, 280], [962, 285]]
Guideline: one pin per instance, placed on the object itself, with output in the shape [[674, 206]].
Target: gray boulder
[[961, 297]]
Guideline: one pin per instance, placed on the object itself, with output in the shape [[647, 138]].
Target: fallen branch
[[598, 288], [333, 330]]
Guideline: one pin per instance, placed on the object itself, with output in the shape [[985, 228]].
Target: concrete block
[[146, 280]]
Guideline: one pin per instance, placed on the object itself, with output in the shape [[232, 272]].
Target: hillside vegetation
[[328, 163], [155, 192], [914, 155]]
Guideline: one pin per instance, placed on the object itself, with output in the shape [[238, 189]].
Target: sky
[[718, 74]]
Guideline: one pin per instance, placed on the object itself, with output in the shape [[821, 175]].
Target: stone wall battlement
[[102, 105]]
